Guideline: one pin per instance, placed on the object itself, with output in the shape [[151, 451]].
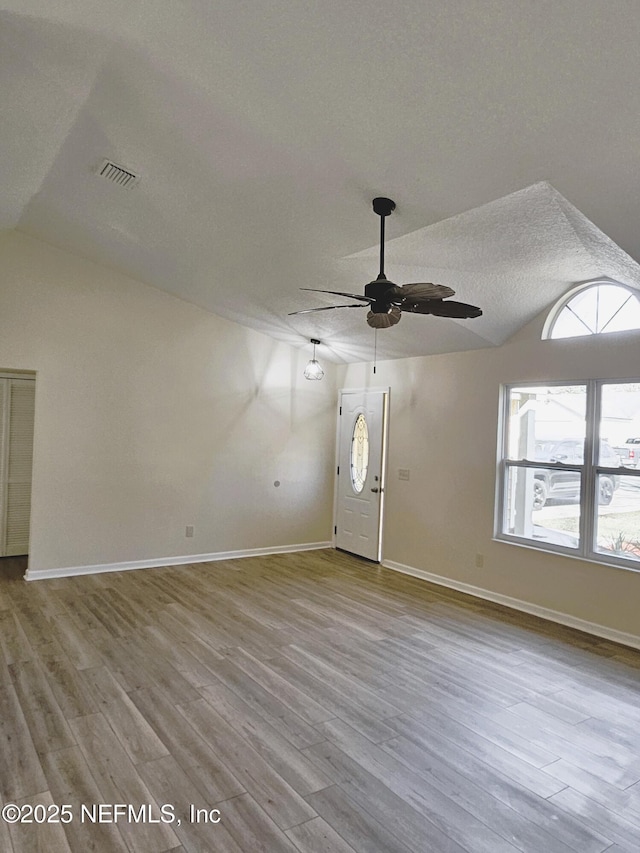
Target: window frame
[[589, 472], [561, 304]]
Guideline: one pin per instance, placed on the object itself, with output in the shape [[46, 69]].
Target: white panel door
[[360, 472]]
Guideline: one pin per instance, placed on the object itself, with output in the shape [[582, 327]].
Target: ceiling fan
[[386, 301]]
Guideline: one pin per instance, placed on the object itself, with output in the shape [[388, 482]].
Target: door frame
[[386, 408], [20, 375]]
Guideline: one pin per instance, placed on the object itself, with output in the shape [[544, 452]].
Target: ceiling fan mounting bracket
[[383, 206]]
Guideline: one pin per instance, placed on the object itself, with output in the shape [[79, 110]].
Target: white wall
[[152, 414], [443, 427]]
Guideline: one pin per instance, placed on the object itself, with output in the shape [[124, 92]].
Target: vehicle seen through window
[[554, 483]]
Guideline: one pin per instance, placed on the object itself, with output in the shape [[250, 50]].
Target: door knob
[[375, 490]]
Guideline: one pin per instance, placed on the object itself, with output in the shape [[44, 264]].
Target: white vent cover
[[117, 174]]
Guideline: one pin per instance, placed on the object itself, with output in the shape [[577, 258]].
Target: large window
[[569, 477]]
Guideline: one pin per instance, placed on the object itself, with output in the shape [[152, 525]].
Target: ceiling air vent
[[118, 174]]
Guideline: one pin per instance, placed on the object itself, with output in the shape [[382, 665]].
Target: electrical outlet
[[479, 561], [403, 473], [189, 531]]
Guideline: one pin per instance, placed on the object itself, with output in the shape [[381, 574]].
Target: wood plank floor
[[317, 702]]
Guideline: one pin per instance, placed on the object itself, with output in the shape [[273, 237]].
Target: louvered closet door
[[19, 404]]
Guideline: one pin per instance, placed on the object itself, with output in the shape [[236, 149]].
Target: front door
[[360, 473]]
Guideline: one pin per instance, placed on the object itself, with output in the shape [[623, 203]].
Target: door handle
[[375, 490]]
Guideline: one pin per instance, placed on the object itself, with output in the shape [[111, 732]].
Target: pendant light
[[313, 369]]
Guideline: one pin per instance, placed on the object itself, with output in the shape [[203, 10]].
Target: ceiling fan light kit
[[382, 320], [386, 300]]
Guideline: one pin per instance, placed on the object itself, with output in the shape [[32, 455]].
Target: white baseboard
[[603, 631], [43, 574]]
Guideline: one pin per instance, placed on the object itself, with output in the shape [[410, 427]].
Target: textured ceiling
[[261, 133]]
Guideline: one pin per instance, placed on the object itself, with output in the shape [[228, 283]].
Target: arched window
[[594, 308]]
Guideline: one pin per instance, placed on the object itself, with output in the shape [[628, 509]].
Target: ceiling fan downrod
[[383, 207]]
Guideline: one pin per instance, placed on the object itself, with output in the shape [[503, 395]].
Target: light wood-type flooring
[[320, 704]]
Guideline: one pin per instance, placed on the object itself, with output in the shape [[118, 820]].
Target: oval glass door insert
[[359, 453]]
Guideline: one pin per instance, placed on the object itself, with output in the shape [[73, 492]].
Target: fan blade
[[383, 321], [339, 293], [440, 308], [325, 308], [420, 291]]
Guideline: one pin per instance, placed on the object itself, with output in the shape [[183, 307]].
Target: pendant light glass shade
[[313, 370]]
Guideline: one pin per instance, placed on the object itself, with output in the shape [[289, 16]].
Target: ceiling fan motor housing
[[378, 290]]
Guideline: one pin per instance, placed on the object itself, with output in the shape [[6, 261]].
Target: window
[[594, 308], [359, 453], [569, 477]]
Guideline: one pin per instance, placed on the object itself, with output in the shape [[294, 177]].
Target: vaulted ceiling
[[506, 131]]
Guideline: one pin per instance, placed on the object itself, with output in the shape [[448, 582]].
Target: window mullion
[[589, 478]]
